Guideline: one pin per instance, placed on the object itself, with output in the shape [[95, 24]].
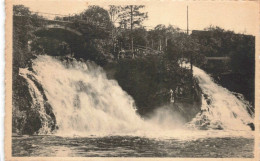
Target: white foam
[[86, 103]]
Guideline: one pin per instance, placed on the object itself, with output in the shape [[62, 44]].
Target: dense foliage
[[237, 73], [149, 81], [22, 33]]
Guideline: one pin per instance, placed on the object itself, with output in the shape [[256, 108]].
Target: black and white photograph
[[128, 79]]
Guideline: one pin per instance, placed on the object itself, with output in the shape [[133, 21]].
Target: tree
[[22, 24], [114, 17], [131, 16], [160, 35], [97, 14], [114, 12], [97, 44], [140, 36], [21, 10]]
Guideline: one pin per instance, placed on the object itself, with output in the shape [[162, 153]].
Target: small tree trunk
[[191, 63], [160, 45], [131, 25], [166, 43]]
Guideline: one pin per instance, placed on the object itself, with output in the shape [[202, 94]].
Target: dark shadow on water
[[127, 146]]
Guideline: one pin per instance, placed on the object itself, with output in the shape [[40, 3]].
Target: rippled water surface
[[129, 146]]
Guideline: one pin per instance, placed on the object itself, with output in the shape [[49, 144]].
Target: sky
[[238, 16]]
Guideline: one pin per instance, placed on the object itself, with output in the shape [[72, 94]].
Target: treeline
[[123, 32], [119, 33], [128, 38], [236, 73]]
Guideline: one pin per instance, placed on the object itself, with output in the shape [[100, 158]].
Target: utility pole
[[187, 20]]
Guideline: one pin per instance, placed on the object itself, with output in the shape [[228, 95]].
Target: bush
[[149, 80]]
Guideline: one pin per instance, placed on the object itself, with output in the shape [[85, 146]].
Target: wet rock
[[26, 117]]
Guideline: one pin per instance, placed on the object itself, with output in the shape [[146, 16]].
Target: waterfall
[[85, 102], [37, 101], [221, 109]]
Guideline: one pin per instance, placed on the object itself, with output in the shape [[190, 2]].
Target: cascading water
[[85, 102], [37, 101], [221, 109]]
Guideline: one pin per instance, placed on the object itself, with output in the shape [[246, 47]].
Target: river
[[96, 118]]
